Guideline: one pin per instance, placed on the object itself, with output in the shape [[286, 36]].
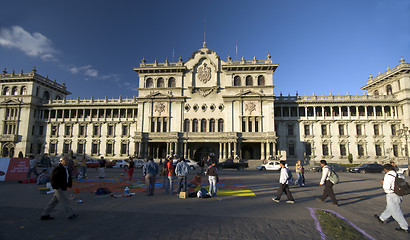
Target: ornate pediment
[[157, 94], [249, 93], [205, 91], [12, 101]]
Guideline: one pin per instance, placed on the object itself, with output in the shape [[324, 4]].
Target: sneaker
[[290, 201], [73, 216], [402, 230], [378, 218], [319, 199], [275, 200], [46, 217]]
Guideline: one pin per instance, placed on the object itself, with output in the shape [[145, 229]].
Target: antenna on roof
[[236, 50], [204, 30], [173, 52]]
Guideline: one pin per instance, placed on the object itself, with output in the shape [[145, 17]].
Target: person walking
[[46, 163], [182, 171], [131, 166], [299, 169], [101, 167], [60, 180], [328, 190], [150, 171], [284, 178], [33, 167], [393, 200], [169, 188], [212, 178], [83, 168]]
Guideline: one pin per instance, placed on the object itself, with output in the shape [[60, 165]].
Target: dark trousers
[[284, 188], [181, 180], [150, 183], [328, 192]]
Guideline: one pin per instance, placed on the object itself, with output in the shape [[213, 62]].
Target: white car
[[120, 163], [403, 169], [139, 163], [192, 164], [271, 165]]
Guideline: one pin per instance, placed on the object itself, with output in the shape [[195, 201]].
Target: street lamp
[[404, 132]]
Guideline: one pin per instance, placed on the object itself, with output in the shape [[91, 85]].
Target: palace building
[[203, 106]]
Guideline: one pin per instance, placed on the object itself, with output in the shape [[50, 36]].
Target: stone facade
[[203, 106]]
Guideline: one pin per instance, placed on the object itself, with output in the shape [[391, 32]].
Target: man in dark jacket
[[60, 180]]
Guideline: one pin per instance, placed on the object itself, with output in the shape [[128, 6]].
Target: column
[[384, 116], [262, 151], [235, 149], [269, 149], [220, 150], [365, 111], [137, 149], [145, 149], [157, 152], [230, 149], [186, 150], [167, 148]]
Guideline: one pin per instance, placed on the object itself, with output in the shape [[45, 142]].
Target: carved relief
[[250, 108], [160, 109], [204, 73]]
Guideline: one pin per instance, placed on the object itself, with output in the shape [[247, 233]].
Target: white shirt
[[388, 181], [284, 176], [325, 174]]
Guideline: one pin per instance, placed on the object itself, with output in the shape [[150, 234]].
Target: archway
[[202, 152], [8, 151]]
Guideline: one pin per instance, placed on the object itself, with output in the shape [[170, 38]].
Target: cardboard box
[[183, 195]]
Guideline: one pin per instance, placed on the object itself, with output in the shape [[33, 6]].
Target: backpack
[[333, 177], [401, 187], [290, 176]]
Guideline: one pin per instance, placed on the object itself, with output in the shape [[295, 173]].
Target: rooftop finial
[[402, 60], [204, 44], [4, 71], [180, 59], [229, 57], [143, 60], [34, 69], [370, 76], [268, 57]]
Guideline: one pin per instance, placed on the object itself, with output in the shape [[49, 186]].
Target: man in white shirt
[[284, 184], [393, 200], [328, 190]]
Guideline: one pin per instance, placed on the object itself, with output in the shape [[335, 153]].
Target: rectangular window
[[94, 148], [124, 130], [376, 128], [54, 131], [110, 130], [164, 125], [325, 150], [158, 125], [96, 130], [66, 148], [124, 148], [341, 130], [52, 149], [307, 130], [342, 150], [290, 130], [324, 130], [249, 126], [291, 149], [378, 149], [393, 130], [152, 126], [80, 148], [67, 131], [395, 150], [81, 130], [359, 130], [243, 125], [40, 130], [360, 150], [301, 112], [308, 149], [109, 149], [256, 125]]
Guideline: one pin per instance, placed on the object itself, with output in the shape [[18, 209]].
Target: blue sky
[[321, 46]]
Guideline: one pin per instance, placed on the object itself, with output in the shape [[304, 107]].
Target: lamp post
[[404, 132]]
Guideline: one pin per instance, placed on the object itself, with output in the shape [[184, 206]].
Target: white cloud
[[87, 70], [34, 45]]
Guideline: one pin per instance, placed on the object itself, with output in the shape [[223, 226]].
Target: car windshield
[[364, 165], [404, 166]]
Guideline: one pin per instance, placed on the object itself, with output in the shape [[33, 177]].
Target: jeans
[[101, 171], [169, 188], [300, 179], [181, 180], [150, 183], [83, 171], [393, 210], [212, 185], [284, 188]]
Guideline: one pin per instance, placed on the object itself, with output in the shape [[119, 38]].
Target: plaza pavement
[[225, 217]]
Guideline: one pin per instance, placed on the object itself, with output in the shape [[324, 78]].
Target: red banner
[[18, 168]]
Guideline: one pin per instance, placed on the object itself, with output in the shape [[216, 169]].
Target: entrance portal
[[203, 152]]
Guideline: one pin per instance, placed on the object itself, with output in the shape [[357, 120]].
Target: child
[[43, 178]]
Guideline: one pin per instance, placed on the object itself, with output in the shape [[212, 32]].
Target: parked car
[[139, 163], [120, 163], [95, 163], [271, 165], [367, 168], [231, 164], [334, 166], [403, 169], [192, 164]]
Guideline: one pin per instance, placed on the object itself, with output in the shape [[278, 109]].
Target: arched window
[[237, 81], [220, 125], [195, 125], [376, 93], [149, 83], [186, 125], [14, 91], [249, 81], [203, 125], [160, 83], [171, 82], [261, 80], [212, 125], [23, 91], [389, 90], [6, 91], [46, 96]]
